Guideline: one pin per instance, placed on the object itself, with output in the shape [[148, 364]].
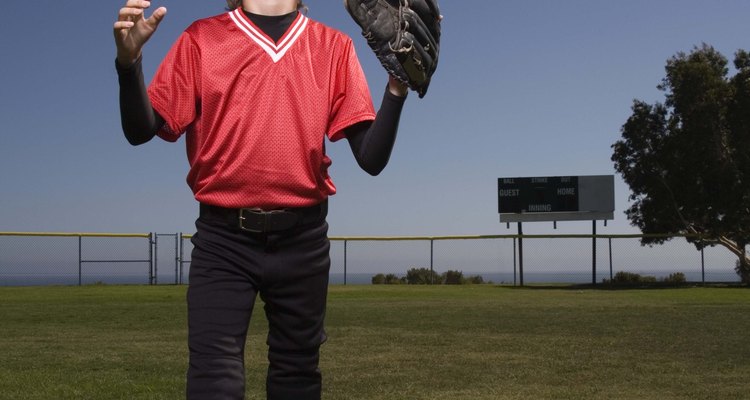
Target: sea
[[562, 277]]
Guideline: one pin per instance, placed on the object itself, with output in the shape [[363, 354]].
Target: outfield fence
[[39, 258]]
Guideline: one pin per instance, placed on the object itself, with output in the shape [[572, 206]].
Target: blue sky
[[524, 88]]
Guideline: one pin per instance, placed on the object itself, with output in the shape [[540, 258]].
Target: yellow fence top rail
[[76, 234], [474, 237], [375, 238]]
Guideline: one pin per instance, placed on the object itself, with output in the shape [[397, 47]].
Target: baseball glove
[[405, 36]]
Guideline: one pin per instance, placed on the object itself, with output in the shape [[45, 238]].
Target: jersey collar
[[274, 50]]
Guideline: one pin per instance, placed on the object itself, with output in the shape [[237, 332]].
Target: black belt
[[256, 220]]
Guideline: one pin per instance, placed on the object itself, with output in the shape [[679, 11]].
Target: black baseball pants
[[229, 268]]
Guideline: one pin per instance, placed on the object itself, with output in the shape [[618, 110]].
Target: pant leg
[[221, 295], [295, 293]]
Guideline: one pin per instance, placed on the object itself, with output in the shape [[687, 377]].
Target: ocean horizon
[[555, 277]]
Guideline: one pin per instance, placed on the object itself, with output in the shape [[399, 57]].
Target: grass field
[[397, 342]]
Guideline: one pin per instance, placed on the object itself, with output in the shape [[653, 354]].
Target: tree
[[687, 160]]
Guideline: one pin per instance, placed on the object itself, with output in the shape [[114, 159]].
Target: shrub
[[392, 279], [424, 276], [389, 279], [676, 278], [630, 278], [378, 279], [421, 276], [452, 278]]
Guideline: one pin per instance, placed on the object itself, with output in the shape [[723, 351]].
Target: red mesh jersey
[[255, 112]]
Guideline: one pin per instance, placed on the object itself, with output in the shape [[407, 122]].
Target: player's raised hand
[[133, 29]]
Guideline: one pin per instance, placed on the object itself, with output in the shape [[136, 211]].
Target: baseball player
[[255, 91]]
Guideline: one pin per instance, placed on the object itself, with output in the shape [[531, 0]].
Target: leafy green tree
[[687, 160]]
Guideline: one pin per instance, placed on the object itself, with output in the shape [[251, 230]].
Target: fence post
[[345, 245], [182, 255], [176, 256], [80, 260], [514, 261], [156, 259], [703, 267], [520, 253], [151, 243], [610, 259], [432, 274]]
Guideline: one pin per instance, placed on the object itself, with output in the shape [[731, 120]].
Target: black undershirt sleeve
[[372, 141], [139, 120]]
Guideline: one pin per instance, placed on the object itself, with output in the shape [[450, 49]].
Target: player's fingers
[[120, 25], [155, 19], [138, 3], [133, 9], [129, 13]]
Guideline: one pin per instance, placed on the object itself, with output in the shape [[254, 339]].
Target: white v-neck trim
[[275, 51]]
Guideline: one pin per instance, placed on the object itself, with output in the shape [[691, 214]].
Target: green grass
[[397, 342]]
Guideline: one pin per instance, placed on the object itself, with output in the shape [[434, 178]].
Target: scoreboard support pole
[[520, 252], [593, 253]]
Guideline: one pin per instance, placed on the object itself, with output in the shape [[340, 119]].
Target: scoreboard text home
[[556, 198]]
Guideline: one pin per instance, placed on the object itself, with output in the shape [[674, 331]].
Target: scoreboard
[[555, 198], [540, 194]]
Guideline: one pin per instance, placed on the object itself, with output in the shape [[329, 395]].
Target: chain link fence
[[544, 258], [156, 258]]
